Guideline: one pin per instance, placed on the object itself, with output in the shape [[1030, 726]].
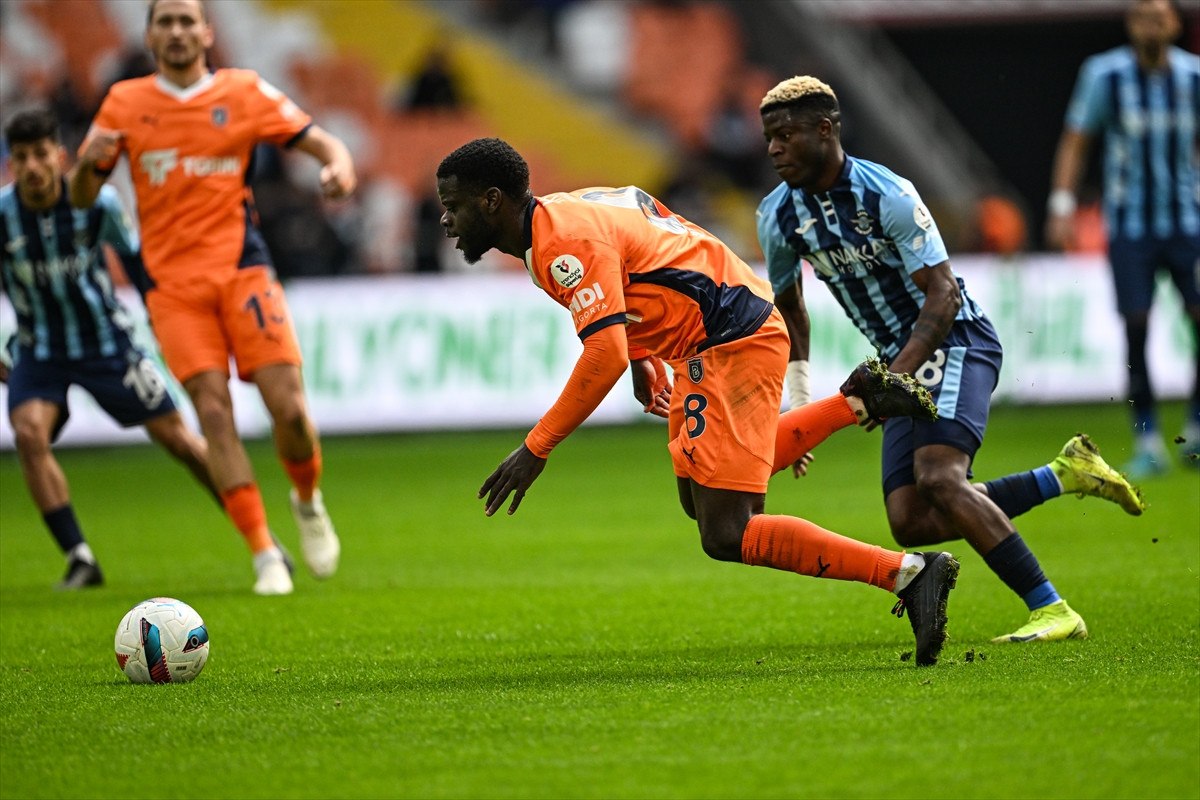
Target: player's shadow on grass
[[614, 669]]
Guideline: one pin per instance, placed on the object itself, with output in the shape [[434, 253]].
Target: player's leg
[[1133, 270], [170, 432], [871, 392], [37, 411], [721, 456], [233, 477], [1183, 254], [1077, 469], [192, 337], [928, 492], [256, 315]]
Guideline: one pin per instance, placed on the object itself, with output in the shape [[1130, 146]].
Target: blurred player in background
[[871, 240], [645, 286], [212, 292], [1145, 99], [71, 330]]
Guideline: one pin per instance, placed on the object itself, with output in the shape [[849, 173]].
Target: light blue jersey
[[1150, 123], [864, 238], [52, 268]]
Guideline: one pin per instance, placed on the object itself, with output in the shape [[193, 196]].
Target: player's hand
[[800, 468], [338, 180], [3, 371], [102, 150], [651, 385], [514, 475]]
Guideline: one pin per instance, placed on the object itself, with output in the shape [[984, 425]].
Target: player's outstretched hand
[[651, 385], [514, 475], [338, 180]]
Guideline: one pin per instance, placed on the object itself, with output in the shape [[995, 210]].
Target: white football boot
[[274, 574], [318, 542]]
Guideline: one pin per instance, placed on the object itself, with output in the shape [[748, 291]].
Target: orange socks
[[244, 505], [797, 545], [805, 427], [304, 474]]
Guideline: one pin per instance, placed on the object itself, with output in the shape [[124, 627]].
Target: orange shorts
[[725, 407], [199, 325]]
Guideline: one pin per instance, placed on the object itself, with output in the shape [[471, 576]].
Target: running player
[[646, 286], [1145, 98], [71, 330], [189, 134], [869, 238]]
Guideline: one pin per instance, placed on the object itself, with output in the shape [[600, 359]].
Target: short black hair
[[32, 126], [154, 3], [483, 163]]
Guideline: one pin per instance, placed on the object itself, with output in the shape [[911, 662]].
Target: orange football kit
[[618, 257], [213, 290]]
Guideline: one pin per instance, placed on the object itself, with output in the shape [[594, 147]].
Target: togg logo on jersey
[[567, 271], [158, 164]]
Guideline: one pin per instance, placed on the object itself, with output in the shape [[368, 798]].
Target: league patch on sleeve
[[922, 217], [567, 271]]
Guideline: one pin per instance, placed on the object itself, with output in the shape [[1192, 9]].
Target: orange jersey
[[189, 152], [620, 256]]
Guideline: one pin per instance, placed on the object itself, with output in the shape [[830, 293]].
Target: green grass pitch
[[586, 647]]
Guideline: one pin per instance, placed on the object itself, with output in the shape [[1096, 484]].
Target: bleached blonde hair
[[796, 88]]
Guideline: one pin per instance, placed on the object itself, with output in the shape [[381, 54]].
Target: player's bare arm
[[943, 299], [98, 158], [338, 179], [1070, 161], [600, 366], [791, 305]]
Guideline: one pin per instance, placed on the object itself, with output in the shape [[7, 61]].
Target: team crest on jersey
[[220, 116], [695, 369], [567, 271], [862, 222]]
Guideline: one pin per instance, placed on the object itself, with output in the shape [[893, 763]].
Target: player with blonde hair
[[871, 240]]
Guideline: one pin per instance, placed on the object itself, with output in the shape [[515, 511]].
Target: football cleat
[[1082, 471], [274, 573], [81, 575], [888, 394], [925, 601], [318, 542], [1051, 623]]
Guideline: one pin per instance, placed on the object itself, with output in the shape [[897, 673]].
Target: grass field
[[586, 647]]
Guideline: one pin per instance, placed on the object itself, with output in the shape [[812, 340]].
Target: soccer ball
[[161, 640]]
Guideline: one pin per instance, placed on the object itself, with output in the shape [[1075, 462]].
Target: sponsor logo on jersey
[[220, 116], [695, 369], [804, 226], [567, 271], [585, 297], [158, 164]]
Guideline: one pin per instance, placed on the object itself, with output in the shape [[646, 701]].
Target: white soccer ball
[[161, 640]]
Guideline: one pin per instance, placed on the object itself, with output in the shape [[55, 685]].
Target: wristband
[[797, 383], [1061, 203]]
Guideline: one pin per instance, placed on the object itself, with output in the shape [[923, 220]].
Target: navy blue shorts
[[961, 376], [1135, 266], [130, 387]]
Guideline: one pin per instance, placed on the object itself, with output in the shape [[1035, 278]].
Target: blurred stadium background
[[966, 98]]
